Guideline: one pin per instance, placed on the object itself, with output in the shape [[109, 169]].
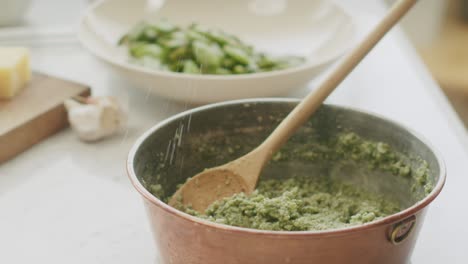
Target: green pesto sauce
[[299, 204], [316, 202]]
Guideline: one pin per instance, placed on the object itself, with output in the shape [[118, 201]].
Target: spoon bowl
[[216, 182]]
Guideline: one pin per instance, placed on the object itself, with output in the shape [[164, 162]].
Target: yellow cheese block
[[14, 70]]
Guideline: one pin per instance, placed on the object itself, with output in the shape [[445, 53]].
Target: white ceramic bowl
[[318, 30]]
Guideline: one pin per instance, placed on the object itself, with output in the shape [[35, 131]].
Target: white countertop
[[65, 201]]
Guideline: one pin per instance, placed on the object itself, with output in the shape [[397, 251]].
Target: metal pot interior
[[209, 136]]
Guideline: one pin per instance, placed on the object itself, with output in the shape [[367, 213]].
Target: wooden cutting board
[[35, 114]]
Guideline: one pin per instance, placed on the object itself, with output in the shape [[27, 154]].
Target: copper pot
[[183, 239]]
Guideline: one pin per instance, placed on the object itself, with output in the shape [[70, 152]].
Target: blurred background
[[439, 31], [437, 28]]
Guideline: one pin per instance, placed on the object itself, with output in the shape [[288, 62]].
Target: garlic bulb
[[95, 118]]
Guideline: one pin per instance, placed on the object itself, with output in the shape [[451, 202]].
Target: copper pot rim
[[391, 219]]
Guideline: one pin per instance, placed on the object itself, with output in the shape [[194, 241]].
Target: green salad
[[197, 50]]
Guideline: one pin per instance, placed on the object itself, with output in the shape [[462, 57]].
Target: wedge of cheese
[[15, 71]]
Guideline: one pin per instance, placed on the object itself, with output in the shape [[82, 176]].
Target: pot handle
[[401, 230]]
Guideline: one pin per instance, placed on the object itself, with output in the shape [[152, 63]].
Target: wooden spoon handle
[[313, 100]]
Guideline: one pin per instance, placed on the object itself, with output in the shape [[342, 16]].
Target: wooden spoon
[[241, 175]]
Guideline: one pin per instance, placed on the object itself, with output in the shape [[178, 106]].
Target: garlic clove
[[97, 118]]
